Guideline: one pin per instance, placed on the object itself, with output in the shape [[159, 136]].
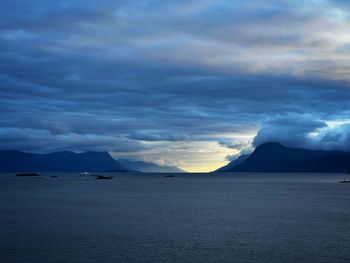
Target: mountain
[[274, 157], [17, 161], [149, 167], [233, 163]]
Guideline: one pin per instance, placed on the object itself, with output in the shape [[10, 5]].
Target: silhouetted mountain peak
[[274, 157]]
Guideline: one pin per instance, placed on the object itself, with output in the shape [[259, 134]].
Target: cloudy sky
[[186, 83]]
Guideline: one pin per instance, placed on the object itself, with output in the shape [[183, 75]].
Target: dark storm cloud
[[122, 75], [37, 140], [153, 136]]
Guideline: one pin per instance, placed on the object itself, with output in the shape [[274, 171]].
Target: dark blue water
[[189, 218]]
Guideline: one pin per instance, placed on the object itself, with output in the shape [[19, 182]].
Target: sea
[[243, 217]]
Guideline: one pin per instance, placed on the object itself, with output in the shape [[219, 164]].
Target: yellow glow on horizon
[[204, 168], [198, 156]]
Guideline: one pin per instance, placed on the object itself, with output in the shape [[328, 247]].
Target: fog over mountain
[[138, 165]]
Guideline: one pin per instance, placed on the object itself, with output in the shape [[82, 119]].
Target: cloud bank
[[305, 131], [173, 81]]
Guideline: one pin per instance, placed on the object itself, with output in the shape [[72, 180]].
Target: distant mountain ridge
[[149, 167], [274, 157], [17, 161]]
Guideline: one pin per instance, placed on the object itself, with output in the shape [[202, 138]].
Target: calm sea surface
[[188, 218]]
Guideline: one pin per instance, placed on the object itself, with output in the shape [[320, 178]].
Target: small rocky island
[[27, 174], [103, 177]]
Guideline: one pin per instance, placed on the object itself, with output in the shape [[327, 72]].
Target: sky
[[185, 83]]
